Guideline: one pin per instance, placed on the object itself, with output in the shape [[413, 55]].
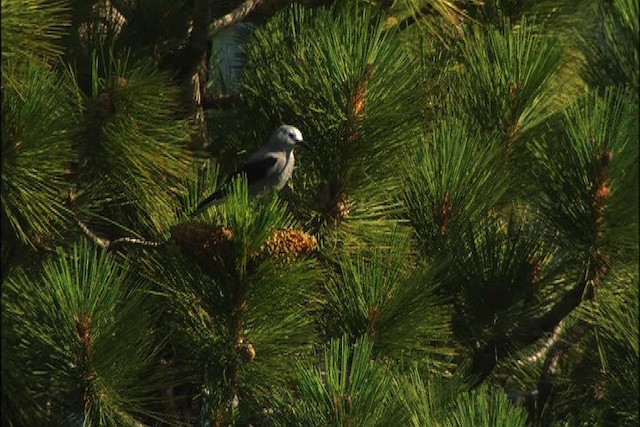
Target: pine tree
[[460, 247]]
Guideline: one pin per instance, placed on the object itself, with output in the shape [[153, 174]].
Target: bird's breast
[[287, 171]]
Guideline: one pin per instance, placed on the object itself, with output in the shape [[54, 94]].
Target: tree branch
[[221, 101], [547, 344], [236, 15]]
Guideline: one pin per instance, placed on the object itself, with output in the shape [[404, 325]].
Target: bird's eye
[[291, 135]]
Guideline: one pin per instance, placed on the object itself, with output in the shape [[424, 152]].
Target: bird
[[268, 169]]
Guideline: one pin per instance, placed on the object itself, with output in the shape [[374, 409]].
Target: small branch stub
[[359, 103], [600, 190], [83, 327], [246, 350], [105, 106], [442, 213]]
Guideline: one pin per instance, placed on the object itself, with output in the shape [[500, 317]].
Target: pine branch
[[555, 352], [192, 63], [548, 344]]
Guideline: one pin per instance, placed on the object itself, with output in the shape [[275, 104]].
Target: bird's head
[[287, 137]]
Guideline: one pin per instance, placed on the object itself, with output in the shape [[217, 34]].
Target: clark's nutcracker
[[268, 168]]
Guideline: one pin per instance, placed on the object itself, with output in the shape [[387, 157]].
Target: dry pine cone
[[203, 240]]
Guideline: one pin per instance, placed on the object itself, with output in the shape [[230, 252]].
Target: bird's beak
[[304, 145]]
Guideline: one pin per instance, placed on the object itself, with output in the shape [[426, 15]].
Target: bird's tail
[[213, 199]]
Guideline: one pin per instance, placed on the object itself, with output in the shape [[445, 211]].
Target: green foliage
[[378, 295], [484, 407], [504, 83], [453, 181], [132, 158], [612, 52], [554, 15], [82, 338], [347, 388], [279, 326], [196, 316], [435, 401], [195, 301], [427, 399], [355, 95], [599, 383], [250, 316], [465, 219], [36, 153], [32, 29], [252, 221], [584, 173], [496, 270], [615, 319]]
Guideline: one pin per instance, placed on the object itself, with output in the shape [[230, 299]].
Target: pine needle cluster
[[458, 248]]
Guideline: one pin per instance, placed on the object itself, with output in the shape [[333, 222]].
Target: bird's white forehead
[[296, 132]]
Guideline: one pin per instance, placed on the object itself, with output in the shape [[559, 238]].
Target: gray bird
[[269, 168]]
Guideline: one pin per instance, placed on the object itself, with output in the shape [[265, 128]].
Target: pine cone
[[288, 244]]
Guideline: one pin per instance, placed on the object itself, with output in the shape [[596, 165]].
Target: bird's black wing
[[258, 169], [255, 171]]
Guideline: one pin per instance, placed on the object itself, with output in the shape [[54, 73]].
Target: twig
[[136, 241], [108, 244], [103, 243], [238, 14]]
